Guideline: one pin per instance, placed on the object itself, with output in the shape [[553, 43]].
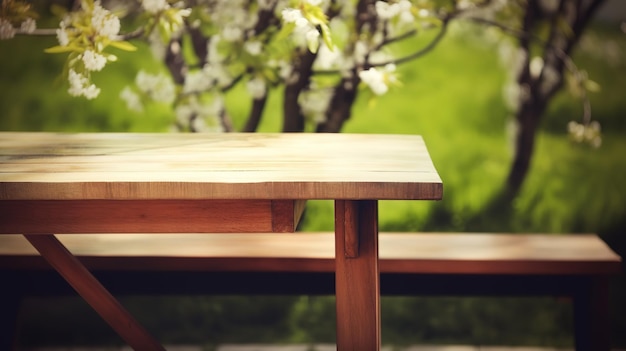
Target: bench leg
[[90, 289], [591, 316], [9, 312], [357, 275]]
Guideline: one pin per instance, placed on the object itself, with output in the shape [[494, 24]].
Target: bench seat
[[457, 264], [416, 253]]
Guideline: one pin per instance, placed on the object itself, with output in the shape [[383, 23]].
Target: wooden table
[[171, 183]]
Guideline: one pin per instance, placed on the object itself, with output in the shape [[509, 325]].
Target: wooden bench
[[577, 266]]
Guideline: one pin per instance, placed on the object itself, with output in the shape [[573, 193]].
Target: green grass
[[452, 97]]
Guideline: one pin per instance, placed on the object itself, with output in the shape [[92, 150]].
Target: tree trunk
[[293, 119], [527, 121], [340, 107], [254, 119]]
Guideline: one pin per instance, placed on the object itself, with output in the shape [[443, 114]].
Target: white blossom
[[284, 70], [536, 66], [512, 58], [62, 34], [81, 86], [406, 17], [464, 4], [62, 37], [104, 22], [157, 46], [303, 24], [233, 16], [93, 61], [327, 59], [265, 4], [397, 15], [385, 10], [155, 6], [217, 73], [232, 33], [585, 133], [158, 86], [178, 18], [405, 11], [375, 80], [6, 29], [200, 116], [511, 95], [197, 81], [256, 87], [378, 80], [314, 103], [213, 52], [312, 37], [550, 77], [305, 33], [28, 26], [291, 15], [360, 51], [132, 99], [423, 13], [254, 48]]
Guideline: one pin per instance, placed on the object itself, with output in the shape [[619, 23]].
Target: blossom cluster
[[167, 18], [155, 6], [7, 31], [85, 34], [400, 9], [309, 23], [16, 17], [379, 80], [585, 133], [157, 87]]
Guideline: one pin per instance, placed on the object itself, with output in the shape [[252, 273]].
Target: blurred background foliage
[[453, 97]]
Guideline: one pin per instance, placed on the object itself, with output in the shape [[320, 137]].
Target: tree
[[322, 55], [547, 35]]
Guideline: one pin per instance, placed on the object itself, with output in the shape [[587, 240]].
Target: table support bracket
[[87, 286]]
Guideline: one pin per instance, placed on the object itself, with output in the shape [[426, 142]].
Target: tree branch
[[431, 45], [37, 32]]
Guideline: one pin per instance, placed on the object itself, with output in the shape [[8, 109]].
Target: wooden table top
[[54, 166]]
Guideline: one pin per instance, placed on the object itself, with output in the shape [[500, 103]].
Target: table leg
[[87, 286], [357, 275]]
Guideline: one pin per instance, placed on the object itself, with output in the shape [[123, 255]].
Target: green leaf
[[285, 31], [326, 35], [269, 74], [123, 45], [62, 49], [592, 86], [313, 45]]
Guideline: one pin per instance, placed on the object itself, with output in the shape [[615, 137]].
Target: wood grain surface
[[40, 166], [441, 253], [148, 216]]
